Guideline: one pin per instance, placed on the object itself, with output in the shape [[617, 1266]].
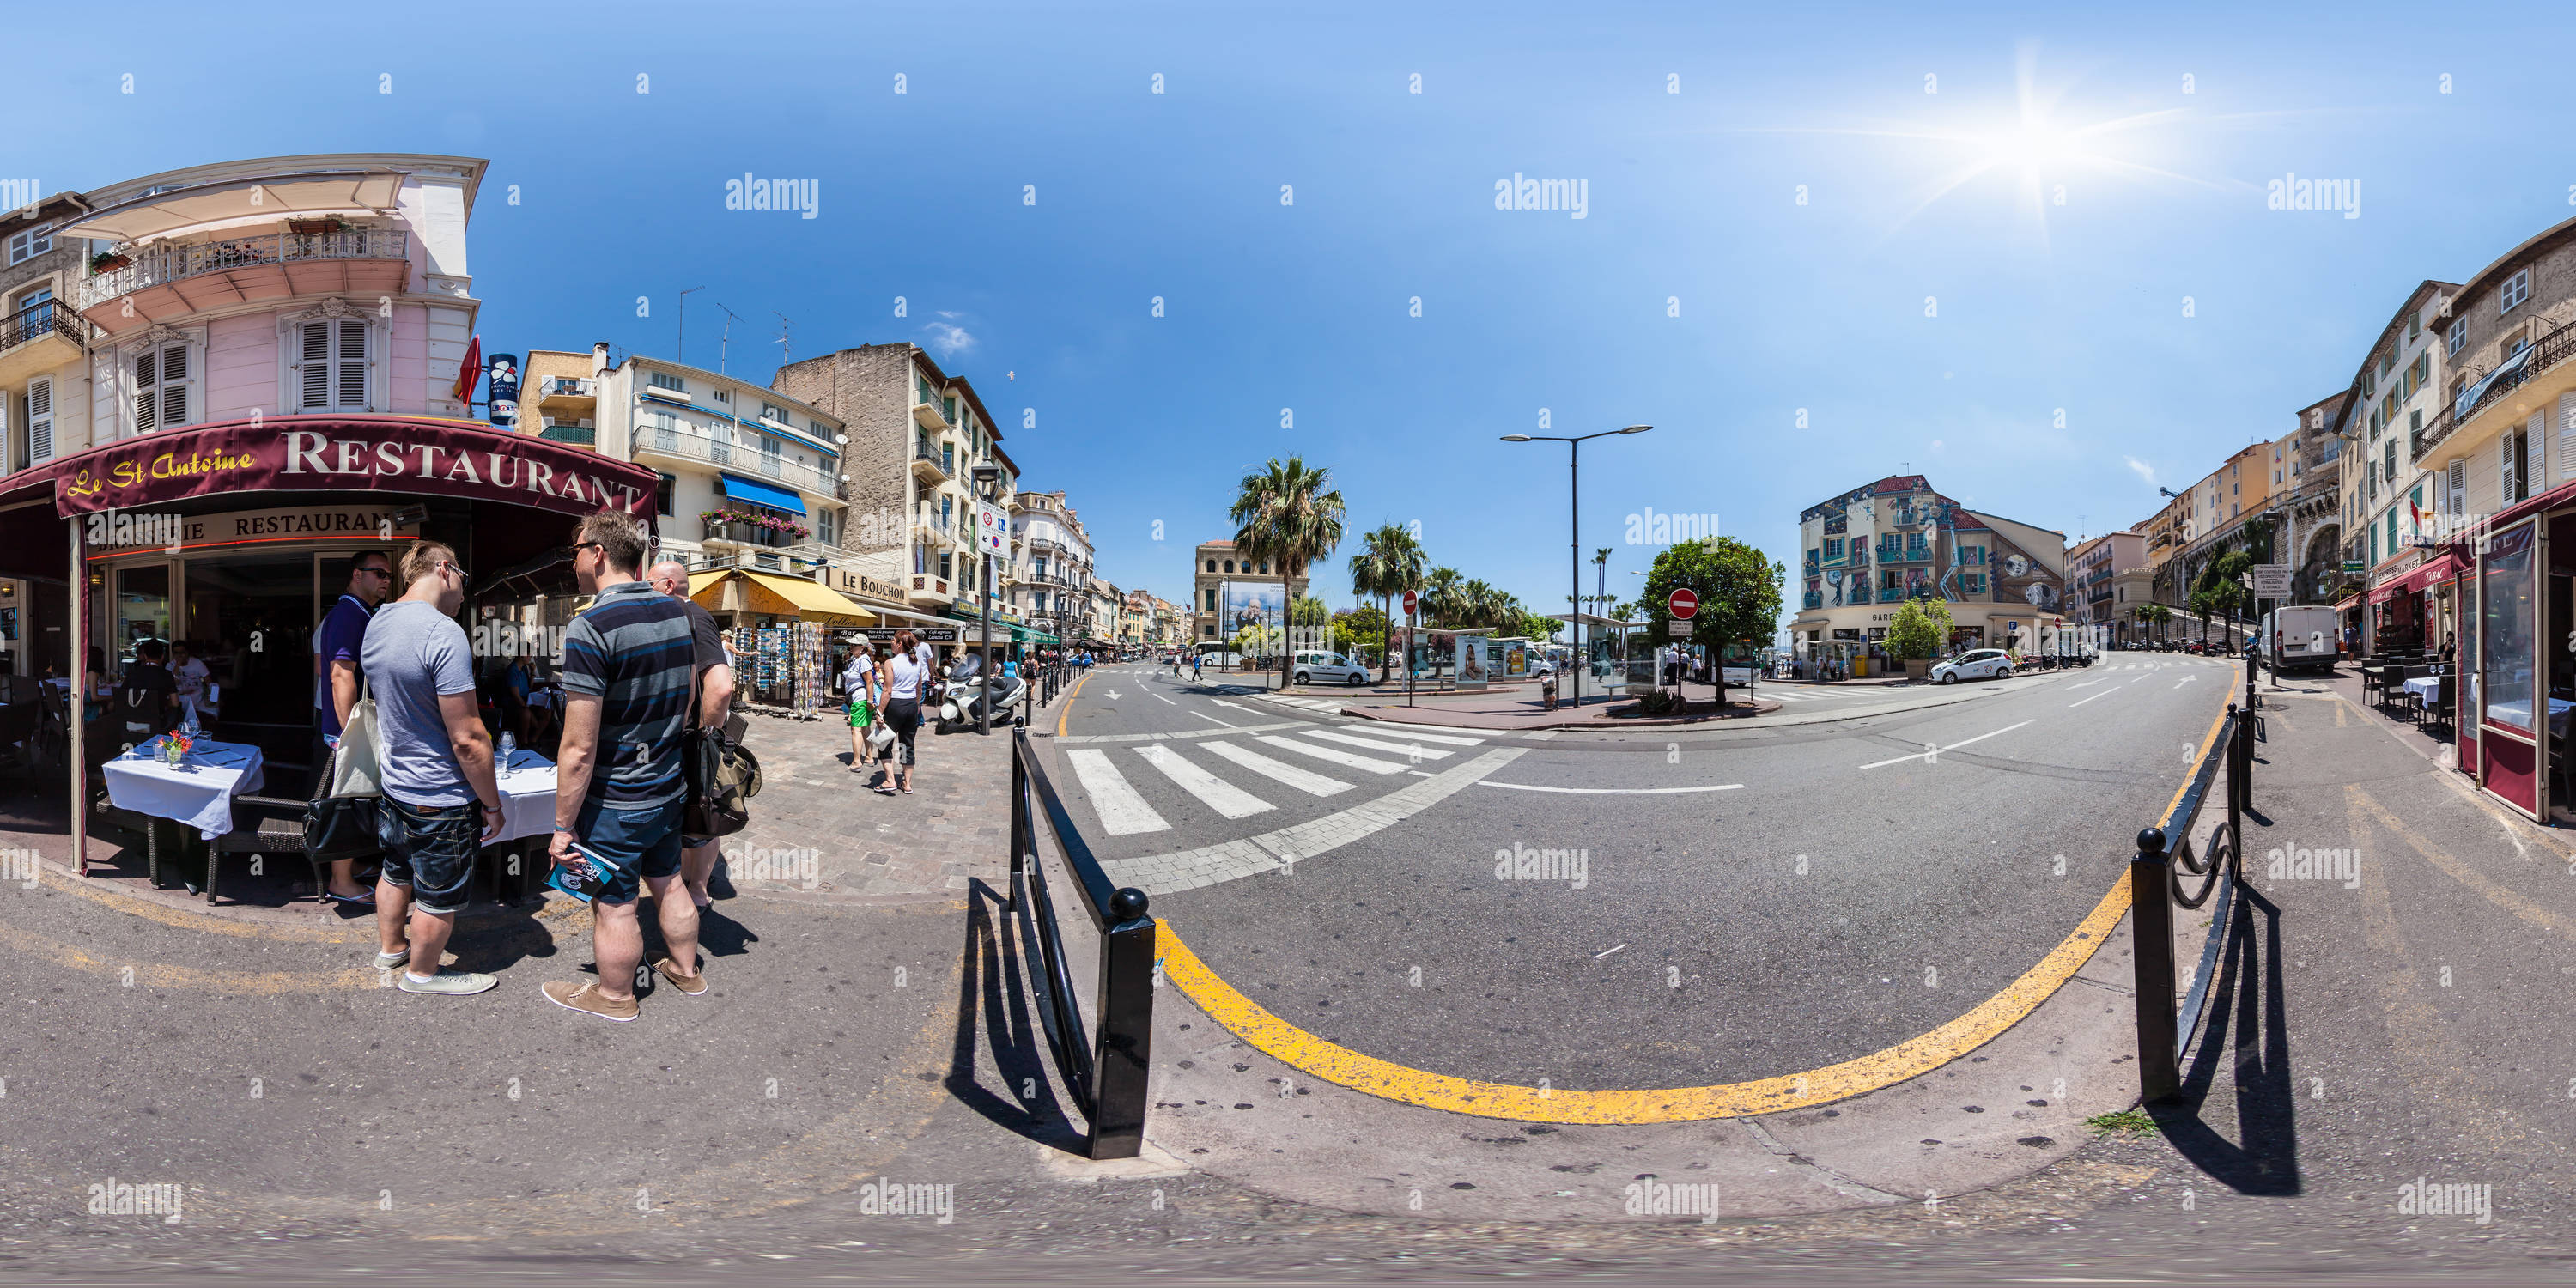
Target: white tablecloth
[[527, 797], [2518, 714], [2425, 686], [200, 791]]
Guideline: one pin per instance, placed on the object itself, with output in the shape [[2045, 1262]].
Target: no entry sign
[[1408, 602], [1684, 603]]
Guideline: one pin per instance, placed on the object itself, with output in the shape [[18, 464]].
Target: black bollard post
[[2151, 922]]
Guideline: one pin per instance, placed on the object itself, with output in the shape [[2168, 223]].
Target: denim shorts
[[429, 850], [644, 842]]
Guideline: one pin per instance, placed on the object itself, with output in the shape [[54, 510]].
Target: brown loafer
[[585, 997], [693, 985]]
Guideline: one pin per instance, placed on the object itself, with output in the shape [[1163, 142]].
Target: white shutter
[[2566, 437], [40, 420], [2456, 503], [2535, 452], [350, 365], [2504, 466], [313, 366], [147, 402], [162, 381]]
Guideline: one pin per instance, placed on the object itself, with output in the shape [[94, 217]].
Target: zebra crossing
[[1240, 776]]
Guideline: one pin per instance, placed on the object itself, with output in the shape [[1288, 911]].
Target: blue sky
[[1305, 307]]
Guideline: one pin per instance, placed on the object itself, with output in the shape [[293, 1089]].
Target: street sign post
[[1684, 603], [2271, 581]]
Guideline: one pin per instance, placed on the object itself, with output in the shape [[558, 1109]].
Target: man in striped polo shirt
[[627, 666]]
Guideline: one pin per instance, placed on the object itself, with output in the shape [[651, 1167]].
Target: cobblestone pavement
[[869, 847]]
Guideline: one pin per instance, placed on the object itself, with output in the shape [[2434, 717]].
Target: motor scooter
[[962, 699]]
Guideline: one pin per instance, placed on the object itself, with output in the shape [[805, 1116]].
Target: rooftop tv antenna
[[724, 345], [785, 350]]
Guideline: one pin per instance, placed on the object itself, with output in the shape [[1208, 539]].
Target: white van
[[2300, 638]]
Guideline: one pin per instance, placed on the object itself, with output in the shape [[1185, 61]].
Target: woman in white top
[[900, 682], [858, 686]]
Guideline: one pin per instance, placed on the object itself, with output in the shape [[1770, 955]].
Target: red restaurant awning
[[2438, 571], [2348, 605]]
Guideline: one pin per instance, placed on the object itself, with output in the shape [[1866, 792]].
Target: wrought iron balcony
[[41, 337], [2554, 348]]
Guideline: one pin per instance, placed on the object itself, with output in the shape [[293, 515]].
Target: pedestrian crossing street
[[1241, 777]]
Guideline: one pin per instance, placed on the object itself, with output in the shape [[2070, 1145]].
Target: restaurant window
[[2508, 629], [164, 386], [663, 484], [2517, 288], [330, 366]]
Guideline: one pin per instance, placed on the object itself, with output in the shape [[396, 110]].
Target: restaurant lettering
[[309, 452]]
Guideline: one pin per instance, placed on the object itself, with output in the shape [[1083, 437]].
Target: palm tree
[[1388, 565], [1284, 514], [1440, 596]]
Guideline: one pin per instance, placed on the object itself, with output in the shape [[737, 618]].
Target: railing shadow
[[2248, 1021], [993, 997]]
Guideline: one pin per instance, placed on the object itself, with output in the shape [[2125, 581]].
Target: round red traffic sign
[[1408, 601], [1684, 603]]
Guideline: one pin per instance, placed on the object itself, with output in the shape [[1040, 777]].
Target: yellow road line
[[1302, 1050], [2546, 918], [1067, 713]]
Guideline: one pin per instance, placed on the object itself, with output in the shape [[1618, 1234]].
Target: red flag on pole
[[469, 371]]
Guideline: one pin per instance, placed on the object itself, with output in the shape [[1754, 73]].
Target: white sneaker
[[454, 982]]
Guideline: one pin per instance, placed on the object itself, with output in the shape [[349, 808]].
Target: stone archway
[[2320, 566]]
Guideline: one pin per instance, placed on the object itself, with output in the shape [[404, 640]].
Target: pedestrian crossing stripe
[[1307, 781], [1369, 763], [1122, 810], [1214, 792], [1416, 751]]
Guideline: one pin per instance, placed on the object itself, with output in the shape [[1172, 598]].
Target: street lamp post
[[988, 478], [1574, 538]]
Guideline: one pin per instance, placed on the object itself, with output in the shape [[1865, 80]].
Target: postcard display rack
[[787, 666]]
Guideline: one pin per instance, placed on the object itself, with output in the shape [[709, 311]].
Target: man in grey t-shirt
[[441, 797]]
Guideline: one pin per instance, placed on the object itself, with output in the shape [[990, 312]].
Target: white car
[[1975, 664], [1328, 668]]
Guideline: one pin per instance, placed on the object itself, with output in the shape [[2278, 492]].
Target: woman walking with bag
[[903, 675]]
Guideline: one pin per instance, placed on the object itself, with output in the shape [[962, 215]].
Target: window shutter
[[40, 419], [2504, 468], [147, 413], [351, 365], [315, 366], [2458, 480], [2566, 437], [174, 385]]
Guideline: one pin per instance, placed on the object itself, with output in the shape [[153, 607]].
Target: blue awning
[[777, 498]]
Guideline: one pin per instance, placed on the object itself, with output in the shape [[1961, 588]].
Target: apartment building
[[750, 477], [1051, 581], [2504, 427], [1873, 548], [921, 445], [1230, 593], [2106, 581], [2394, 400]]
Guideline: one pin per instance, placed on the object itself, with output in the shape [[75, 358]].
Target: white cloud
[[2143, 470], [948, 340], [1936, 444]]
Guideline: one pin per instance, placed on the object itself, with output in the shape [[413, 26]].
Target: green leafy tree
[[1739, 591], [1389, 564], [1920, 629], [1441, 601]]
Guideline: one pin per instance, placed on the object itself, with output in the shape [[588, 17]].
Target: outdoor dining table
[[198, 791], [527, 786], [2518, 715]]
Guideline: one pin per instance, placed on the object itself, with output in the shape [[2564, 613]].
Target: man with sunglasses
[[442, 799], [337, 644]]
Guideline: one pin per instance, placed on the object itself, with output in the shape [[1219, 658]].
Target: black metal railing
[[2166, 859], [1107, 1079], [2552, 349], [36, 321]]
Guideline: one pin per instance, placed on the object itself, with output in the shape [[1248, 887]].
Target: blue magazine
[[585, 876]]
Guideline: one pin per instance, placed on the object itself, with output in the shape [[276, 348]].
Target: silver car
[[1328, 668]]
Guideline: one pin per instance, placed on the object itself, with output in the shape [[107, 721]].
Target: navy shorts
[[643, 843], [430, 851]]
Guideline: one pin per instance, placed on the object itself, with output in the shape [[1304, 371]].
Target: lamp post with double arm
[[1574, 483]]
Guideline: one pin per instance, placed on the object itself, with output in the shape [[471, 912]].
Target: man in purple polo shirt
[[337, 643]]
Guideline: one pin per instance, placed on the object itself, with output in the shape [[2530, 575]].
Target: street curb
[[1763, 721]]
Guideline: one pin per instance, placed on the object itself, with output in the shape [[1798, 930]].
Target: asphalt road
[[1718, 906]]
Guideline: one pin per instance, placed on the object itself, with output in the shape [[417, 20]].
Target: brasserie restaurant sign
[[386, 454]]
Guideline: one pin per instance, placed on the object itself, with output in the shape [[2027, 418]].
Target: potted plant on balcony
[[108, 261]]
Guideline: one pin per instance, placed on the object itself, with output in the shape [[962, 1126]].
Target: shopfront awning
[[776, 498], [2346, 606], [2416, 582], [779, 595]]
